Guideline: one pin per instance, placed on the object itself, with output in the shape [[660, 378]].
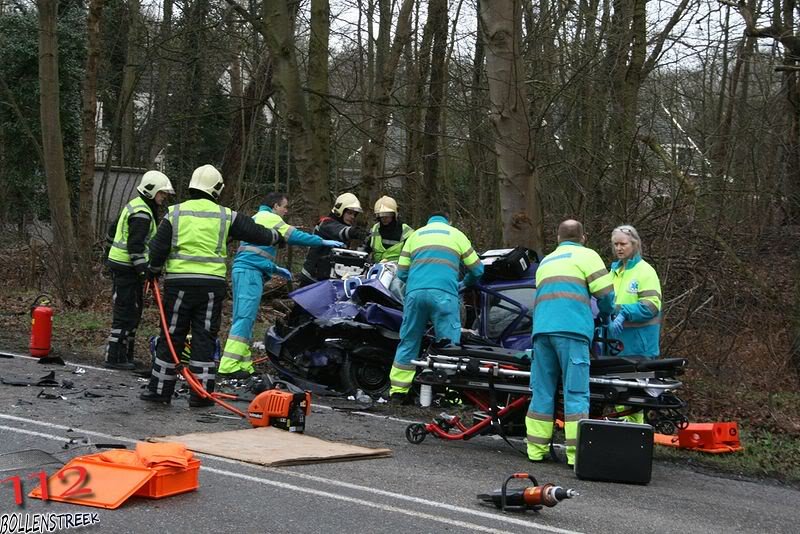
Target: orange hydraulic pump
[[280, 408]]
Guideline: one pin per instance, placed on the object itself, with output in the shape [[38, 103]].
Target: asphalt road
[[423, 488]]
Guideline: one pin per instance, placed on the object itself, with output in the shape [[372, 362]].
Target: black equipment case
[[506, 264], [345, 262], [614, 451]]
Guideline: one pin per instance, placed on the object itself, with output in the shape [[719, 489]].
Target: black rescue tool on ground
[[532, 497]]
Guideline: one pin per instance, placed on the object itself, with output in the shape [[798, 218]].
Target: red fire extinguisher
[[41, 326]]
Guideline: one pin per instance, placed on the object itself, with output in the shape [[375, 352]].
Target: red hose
[[194, 384]]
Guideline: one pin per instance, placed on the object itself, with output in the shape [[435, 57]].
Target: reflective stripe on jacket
[[263, 258], [432, 256], [199, 238], [119, 247], [637, 291], [565, 281], [386, 249]]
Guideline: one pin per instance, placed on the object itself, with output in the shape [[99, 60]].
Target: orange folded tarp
[[167, 454], [119, 457]]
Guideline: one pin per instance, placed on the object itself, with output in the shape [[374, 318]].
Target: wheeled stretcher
[[496, 381]]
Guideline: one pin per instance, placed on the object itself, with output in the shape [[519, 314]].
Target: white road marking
[[366, 414], [384, 507], [26, 357], [34, 433], [439, 505]]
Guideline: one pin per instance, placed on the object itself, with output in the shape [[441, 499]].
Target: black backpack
[[507, 264]]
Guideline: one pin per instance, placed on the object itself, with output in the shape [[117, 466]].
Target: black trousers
[[188, 308], [127, 313]]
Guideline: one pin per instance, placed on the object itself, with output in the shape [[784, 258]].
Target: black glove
[[357, 233], [153, 276], [141, 271]]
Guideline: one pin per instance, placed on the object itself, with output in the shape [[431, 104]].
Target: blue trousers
[[560, 359], [248, 284], [419, 307], [557, 358]]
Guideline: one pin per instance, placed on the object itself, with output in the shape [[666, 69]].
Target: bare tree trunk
[[782, 30], [320, 112], [278, 31], [481, 158], [433, 192], [129, 75], [519, 195], [52, 141], [89, 122], [629, 64], [587, 132], [373, 152], [157, 140], [417, 69], [792, 167], [725, 146], [626, 50], [256, 94]]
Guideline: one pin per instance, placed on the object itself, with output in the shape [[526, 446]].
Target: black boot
[[117, 358], [398, 399], [199, 402], [150, 396], [130, 348]]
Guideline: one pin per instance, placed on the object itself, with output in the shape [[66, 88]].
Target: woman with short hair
[[637, 301]]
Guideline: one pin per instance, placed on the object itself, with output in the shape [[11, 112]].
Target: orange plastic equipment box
[[171, 481]]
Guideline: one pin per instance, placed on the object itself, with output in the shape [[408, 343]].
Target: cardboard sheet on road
[[273, 447]]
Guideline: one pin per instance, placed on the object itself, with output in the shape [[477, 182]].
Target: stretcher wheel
[[665, 427], [415, 433]]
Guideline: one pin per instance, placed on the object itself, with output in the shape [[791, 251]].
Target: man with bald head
[[563, 326]]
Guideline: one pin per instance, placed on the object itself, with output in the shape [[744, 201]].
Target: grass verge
[[766, 454]]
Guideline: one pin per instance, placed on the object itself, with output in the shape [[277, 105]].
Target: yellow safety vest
[[119, 248], [380, 251], [199, 236]]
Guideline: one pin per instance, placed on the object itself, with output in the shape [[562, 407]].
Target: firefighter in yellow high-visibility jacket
[[190, 247], [389, 234]]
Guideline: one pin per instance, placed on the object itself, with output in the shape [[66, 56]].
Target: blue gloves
[[616, 326], [332, 243], [283, 273]]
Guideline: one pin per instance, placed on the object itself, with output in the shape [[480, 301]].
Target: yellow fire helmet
[[207, 179], [154, 182], [385, 206], [346, 201]]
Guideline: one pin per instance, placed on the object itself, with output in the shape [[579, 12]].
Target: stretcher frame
[[481, 375]]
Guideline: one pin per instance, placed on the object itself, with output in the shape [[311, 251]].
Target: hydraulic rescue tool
[[281, 408], [529, 498]]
